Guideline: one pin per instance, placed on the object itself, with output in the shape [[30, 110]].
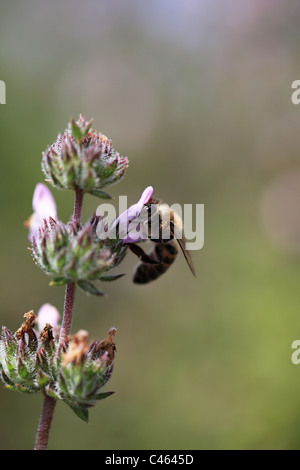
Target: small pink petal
[[135, 210], [48, 314], [44, 206], [145, 197], [133, 239], [43, 203]]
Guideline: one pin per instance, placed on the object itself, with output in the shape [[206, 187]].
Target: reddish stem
[[78, 204], [49, 402], [68, 312], [42, 435], [71, 286]]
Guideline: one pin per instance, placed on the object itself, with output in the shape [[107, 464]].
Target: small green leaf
[[71, 175], [80, 411], [23, 372], [42, 378], [58, 281], [101, 194], [19, 388], [76, 131], [79, 131], [89, 181], [110, 278], [89, 287], [4, 377], [51, 393], [62, 386], [101, 396], [10, 367]]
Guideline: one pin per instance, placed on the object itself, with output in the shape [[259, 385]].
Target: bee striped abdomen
[[165, 254]]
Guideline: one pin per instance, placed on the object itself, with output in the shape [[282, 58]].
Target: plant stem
[[42, 435], [78, 204], [68, 313], [49, 402], [71, 286]]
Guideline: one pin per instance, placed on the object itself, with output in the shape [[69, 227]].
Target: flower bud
[[84, 371], [82, 158], [68, 253], [73, 371], [25, 358]]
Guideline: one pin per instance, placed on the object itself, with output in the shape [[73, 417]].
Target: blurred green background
[[197, 94]]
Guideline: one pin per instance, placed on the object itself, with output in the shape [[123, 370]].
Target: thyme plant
[[42, 355]]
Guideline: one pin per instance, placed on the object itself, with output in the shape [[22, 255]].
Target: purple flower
[[127, 221], [44, 206]]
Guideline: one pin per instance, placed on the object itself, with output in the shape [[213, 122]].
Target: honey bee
[[164, 253]]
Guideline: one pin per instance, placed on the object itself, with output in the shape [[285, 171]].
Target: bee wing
[[186, 253]]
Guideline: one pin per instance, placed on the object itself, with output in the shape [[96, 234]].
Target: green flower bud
[[25, 358], [82, 158], [84, 371], [73, 372], [71, 253]]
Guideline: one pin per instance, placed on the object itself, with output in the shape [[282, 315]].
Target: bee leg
[[158, 254], [139, 252]]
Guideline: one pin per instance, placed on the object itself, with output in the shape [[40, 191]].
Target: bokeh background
[[197, 94]]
